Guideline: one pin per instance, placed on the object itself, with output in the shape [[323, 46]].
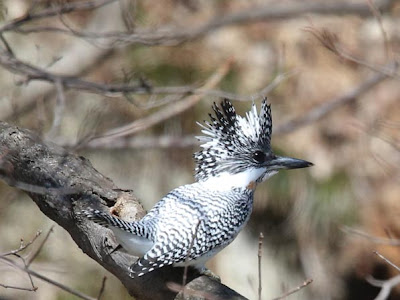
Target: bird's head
[[238, 148]]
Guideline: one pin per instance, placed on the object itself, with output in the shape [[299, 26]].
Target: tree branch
[[173, 36], [385, 285], [325, 108], [66, 184], [55, 10], [164, 114]]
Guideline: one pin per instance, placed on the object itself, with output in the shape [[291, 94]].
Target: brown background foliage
[[313, 58]]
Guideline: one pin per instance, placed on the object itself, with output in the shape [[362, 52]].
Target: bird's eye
[[259, 156]]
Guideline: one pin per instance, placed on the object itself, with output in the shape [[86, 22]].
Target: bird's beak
[[281, 162]]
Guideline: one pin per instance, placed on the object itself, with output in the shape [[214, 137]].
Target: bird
[[194, 222]]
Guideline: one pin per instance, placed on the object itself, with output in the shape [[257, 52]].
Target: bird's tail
[[107, 220]]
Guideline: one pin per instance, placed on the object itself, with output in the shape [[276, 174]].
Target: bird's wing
[[178, 232], [176, 247], [192, 226]]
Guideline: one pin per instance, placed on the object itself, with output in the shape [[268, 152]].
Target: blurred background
[[329, 69]]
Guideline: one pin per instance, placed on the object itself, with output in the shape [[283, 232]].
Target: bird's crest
[[229, 139]]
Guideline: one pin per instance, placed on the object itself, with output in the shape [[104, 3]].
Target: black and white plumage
[[231, 142], [194, 222]]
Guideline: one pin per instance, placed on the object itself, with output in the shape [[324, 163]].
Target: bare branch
[[31, 273], [331, 42], [120, 140], [259, 255], [6, 260], [167, 36], [295, 290], [378, 17], [374, 239], [44, 278], [58, 111], [386, 286], [31, 73], [77, 58], [102, 288], [26, 264], [55, 10], [6, 44], [136, 142], [18, 287], [387, 260], [36, 253], [16, 252], [325, 108], [162, 115], [22, 246]]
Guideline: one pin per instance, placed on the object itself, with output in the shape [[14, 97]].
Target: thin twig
[[26, 266], [295, 290], [259, 254], [166, 36], [66, 8], [6, 44], [388, 71], [386, 286], [31, 72], [16, 253], [164, 114], [102, 288], [377, 240], [22, 245], [325, 108], [46, 279], [24, 262], [378, 17], [331, 42], [387, 260], [311, 116], [58, 110], [138, 142], [36, 253], [6, 261], [18, 288]]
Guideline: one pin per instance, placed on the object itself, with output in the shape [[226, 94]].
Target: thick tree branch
[[62, 184]]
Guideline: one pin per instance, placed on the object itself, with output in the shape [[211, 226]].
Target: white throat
[[227, 181]]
